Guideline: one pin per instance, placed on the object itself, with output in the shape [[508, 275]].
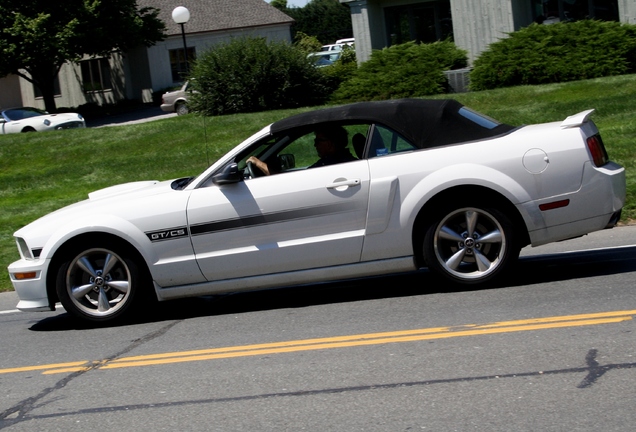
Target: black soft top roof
[[424, 122]]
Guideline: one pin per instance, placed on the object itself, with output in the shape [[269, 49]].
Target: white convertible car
[[26, 119], [396, 186]]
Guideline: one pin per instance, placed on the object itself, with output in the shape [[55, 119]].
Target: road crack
[[20, 411], [593, 369]]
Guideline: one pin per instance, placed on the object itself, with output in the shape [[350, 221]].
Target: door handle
[[342, 184]]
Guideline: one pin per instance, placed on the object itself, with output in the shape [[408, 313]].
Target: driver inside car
[[330, 143]]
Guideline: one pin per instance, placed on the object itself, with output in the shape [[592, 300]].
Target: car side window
[[303, 151], [385, 141], [296, 149]]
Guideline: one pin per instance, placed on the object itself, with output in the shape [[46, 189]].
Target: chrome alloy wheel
[[98, 283], [469, 244]]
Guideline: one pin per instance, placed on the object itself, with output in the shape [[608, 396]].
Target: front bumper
[[31, 286], [71, 125]]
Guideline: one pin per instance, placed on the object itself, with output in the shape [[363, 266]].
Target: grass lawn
[[41, 172]]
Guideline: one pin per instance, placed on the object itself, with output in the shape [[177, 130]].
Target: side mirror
[[229, 174], [286, 161]]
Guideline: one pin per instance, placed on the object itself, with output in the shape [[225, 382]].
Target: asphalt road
[[553, 349]]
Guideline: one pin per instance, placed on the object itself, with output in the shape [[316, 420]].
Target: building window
[[422, 22], [550, 11], [178, 63], [56, 89], [96, 75]]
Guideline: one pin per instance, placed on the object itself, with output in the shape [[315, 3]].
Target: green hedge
[[541, 54], [405, 70], [251, 74]]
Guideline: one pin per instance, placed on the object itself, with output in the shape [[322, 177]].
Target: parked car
[[339, 45], [432, 184], [176, 101], [324, 58], [331, 47], [346, 41], [27, 119]]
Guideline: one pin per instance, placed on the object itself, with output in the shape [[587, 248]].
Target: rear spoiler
[[576, 119]]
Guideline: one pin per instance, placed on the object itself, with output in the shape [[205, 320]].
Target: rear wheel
[[99, 284], [182, 108], [470, 245]]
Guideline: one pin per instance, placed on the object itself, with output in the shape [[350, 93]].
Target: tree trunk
[[44, 79]]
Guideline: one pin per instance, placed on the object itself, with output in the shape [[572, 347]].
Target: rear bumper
[[614, 219], [595, 206], [167, 107]]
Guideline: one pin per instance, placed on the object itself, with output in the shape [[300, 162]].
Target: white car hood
[[112, 200], [121, 189]]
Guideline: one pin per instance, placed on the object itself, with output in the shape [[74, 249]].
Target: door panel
[[292, 221]]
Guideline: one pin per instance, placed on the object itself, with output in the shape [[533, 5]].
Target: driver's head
[[330, 140]]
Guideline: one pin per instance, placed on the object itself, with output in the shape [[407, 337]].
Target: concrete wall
[[627, 11], [10, 95], [160, 74], [476, 23]]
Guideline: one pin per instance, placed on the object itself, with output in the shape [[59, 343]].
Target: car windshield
[[22, 113], [325, 58]]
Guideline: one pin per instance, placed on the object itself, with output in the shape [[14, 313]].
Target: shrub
[[343, 69], [406, 70], [307, 44], [250, 74], [541, 54]]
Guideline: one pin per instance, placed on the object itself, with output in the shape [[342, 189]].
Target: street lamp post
[[181, 15]]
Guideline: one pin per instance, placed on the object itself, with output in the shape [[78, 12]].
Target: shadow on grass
[[528, 271]]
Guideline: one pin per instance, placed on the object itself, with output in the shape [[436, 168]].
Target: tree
[[328, 20], [38, 36], [307, 44], [279, 4]]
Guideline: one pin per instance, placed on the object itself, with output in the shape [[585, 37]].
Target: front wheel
[[98, 284], [470, 245]]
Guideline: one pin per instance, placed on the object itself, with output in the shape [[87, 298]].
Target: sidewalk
[[139, 115]]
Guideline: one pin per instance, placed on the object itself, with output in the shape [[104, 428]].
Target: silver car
[[344, 192], [176, 101]]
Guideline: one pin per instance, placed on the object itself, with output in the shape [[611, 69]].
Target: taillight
[[597, 150]]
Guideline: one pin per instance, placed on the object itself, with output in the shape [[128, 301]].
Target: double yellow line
[[335, 342]]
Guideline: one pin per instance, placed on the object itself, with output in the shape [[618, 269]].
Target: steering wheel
[[252, 170]]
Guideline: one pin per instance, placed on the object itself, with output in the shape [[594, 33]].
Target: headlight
[[47, 122]]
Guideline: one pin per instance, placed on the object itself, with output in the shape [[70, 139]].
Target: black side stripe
[[271, 218]]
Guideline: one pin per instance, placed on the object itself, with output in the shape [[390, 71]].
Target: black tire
[[100, 284], [470, 245], [182, 108]]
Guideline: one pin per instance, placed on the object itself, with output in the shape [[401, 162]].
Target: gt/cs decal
[[167, 234]]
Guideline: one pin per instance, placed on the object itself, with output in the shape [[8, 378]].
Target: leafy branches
[[38, 36], [405, 70], [250, 74], [541, 54]]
